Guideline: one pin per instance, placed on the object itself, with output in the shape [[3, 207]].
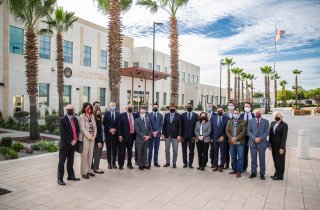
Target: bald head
[[69, 106]]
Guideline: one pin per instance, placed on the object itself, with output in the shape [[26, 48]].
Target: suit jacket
[[173, 129], [240, 130], [109, 123], [218, 131], [255, 132], [211, 114], [189, 125], [85, 126], [66, 134], [243, 115], [158, 124], [142, 129], [206, 131], [124, 127], [279, 138]]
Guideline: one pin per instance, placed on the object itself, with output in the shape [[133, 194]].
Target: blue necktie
[[155, 117], [219, 121]]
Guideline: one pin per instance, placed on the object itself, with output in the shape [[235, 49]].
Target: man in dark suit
[[126, 136], [219, 124], [211, 114], [247, 115], [172, 130], [142, 127], [189, 120], [156, 119], [69, 134], [111, 135]]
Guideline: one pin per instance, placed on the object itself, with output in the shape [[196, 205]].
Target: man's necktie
[[189, 117], [144, 122], [155, 117], [74, 132], [219, 121], [171, 118], [130, 124], [112, 116], [258, 123]]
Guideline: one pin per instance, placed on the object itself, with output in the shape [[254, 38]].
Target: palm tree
[[296, 72], [228, 62], [251, 77], [113, 9], [275, 76], [239, 72], [243, 78], [283, 84], [234, 71], [28, 13], [266, 70], [171, 7], [60, 21]]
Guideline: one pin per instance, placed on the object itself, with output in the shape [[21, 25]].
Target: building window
[[135, 64], [44, 94], [158, 67], [189, 78], [86, 94], [149, 65], [197, 79], [67, 51], [211, 101], [45, 46], [125, 64], [16, 40], [102, 96], [103, 59], [129, 97], [193, 79], [182, 99], [164, 99], [157, 97], [66, 95], [183, 77], [87, 56]]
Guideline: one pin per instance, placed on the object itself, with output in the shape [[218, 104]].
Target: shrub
[[29, 150], [35, 147], [54, 111], [301, 112], [52, 122], [26, 127], [17, 147], [2, 122], [52, 148], [6, 141], [46, 113], [8, 153], [42, 128], [45, 145], [56, 132], [21, 117], [10, 123]]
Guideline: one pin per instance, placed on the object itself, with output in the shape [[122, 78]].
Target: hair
[[219, 107], [236, 110], [112, 102], [204, 114], [95, 114], [96, 102], [84, 106], [277, 112], [247, 102], [155, 104], [190, 104], [231, 102], [142, 108], [256, 110]]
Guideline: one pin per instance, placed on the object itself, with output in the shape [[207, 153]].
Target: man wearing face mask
[[172, 130], [211, 114], [69, 135], [156, 119], [189, 120], [229, 114], [126, 136], [247, 115], [110, 121], [258, 131]]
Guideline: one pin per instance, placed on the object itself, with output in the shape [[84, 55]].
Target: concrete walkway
[[33, 182]]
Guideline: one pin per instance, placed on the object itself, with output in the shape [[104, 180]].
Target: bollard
[[303, 144]]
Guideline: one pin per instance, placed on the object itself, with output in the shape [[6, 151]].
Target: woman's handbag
[[79, 146]]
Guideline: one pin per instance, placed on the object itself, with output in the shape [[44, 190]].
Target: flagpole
[[275, 57]]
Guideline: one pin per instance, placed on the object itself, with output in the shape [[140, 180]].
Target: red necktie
[[75, 137], [258, 123], [130, 124]]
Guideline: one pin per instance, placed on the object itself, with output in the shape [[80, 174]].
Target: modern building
[[85, 53]]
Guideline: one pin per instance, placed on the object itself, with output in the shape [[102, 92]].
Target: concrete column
[[303, 144]]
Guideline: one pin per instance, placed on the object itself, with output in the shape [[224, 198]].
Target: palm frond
[[149, 4]]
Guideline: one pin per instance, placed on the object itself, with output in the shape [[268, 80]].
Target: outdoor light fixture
[[77, 88], [52, 69], [1, 84]]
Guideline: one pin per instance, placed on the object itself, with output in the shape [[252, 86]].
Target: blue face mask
[[112, 108], [209, 109]]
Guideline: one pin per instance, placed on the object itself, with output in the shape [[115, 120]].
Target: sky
[[211, 30]]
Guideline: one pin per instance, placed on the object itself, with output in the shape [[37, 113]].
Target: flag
[[279, 34]]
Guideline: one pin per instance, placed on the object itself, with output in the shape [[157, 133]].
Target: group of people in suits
[[216, 135]]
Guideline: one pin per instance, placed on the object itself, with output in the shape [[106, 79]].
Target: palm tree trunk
[[31, 57], [266, 94], [229, 75], [296, 91], [115, 50], [174, 59], [60, 80], [247, 91], [252, 92], [235, 89], [242, 91], [275, 93], [239, 89]]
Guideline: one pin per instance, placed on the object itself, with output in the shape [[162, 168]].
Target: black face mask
[[189, 109], [220, 113], [130, 109], [277, 118], [203, 118], [172, 110], [155, 109], [70, 112]]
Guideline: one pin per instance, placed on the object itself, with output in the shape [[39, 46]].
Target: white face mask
[[230, 108], [142, 115], [247, 109]]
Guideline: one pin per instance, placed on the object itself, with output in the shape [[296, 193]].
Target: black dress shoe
[[73, 179], [85, 176], [120, 167], [91, 174], [252, 176], [226, 167], [215, 169], [98, 172], [109, 166], [61, 182], [262, 177], [157, 165], [146, 167], [166, 165], [278, 178], [212, 166], [190, 166], [174, 166], [185, 165], [115, 166], [233, 172], [130, 166], [202, 169], [272, 177], [198, 168], [141, 168]]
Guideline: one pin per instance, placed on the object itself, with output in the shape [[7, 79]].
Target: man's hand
[[179, 138], [234, 140], [154, 134], [193, 140], [73, 142], [221, 139], [120, 138], [257, 140], [200, 138], [99, 145], [162, 137], [146, 138], [281, 151]]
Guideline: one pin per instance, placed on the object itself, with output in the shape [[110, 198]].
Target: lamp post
[[220, 98], [154, 43]]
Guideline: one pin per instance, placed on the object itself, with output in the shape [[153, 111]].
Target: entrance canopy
[[142, 73]]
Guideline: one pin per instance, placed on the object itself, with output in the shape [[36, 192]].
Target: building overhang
[[142, 73]]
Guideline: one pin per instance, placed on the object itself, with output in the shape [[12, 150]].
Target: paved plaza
[[33, 184]]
